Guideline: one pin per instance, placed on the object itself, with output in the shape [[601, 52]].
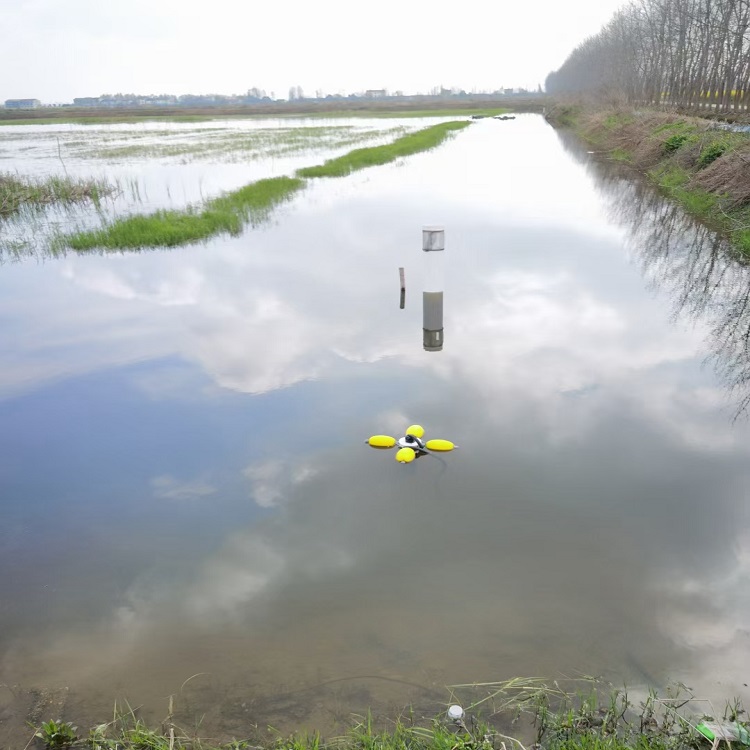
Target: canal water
[[189, 507]]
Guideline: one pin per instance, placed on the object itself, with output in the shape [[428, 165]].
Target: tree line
[[686, 53]]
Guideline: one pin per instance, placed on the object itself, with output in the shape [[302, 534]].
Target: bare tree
[[686, 53]]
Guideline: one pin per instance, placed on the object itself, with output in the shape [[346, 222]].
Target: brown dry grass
[[644, 135], [728, 176]]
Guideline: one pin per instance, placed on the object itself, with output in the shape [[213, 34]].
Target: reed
[[18, 192]]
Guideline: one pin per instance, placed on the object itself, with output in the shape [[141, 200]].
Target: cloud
[[161, 38], [272, 481], [166, 487]]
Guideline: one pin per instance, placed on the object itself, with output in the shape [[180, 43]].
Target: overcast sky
[[54, 50]]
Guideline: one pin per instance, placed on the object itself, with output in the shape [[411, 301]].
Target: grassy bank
[[362, 158], [230, 212], [514, 715], [17, 193], [702, 164], [226, 214]]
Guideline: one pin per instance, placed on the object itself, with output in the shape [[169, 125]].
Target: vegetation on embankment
[[506, 716], [372, 156], [17, 193], [704, 165], [253, 203], [226, 214]]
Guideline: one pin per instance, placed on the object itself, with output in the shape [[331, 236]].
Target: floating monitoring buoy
[[411, 445]]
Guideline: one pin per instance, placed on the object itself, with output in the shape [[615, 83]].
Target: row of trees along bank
[[687, 53]]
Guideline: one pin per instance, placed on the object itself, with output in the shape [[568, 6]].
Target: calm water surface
[[186, 491]]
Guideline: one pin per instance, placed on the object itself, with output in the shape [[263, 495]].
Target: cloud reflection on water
[[597, 498]]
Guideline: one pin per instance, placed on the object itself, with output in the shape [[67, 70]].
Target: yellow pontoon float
[[411, 445]]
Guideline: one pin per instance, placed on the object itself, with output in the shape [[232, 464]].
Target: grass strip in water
[[18, 192], [227, 214], [372, 156]]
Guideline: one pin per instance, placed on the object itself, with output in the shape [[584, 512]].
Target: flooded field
[[153, 166], [188, 504]]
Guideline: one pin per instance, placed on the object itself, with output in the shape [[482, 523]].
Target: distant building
[[22, 103], [375, 93], [86, 101]]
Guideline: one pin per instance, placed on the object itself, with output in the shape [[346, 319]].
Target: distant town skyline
[[60, 49], [252, 95]]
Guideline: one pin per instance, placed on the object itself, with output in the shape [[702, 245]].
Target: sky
[[54, 50]]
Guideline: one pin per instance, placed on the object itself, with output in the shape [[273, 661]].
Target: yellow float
[[411, 445], [382, 441], [406, 455]]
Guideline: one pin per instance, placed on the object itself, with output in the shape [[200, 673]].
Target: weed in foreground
[[57, 734], [577, 714], [588, 714]]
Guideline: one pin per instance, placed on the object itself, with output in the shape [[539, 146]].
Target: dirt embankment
[[703, 164]]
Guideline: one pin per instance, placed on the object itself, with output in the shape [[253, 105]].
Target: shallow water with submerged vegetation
[[190, 509]]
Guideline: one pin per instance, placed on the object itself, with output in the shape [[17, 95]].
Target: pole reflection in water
[[432, 321], [706, 278], [433, 247]]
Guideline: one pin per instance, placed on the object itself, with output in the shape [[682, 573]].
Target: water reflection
[[432, 321], [707, 282], [167, 165], [194, 422], [703, 276], [433, 249]]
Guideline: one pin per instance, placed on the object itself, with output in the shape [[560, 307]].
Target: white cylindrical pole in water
[[433, 246]]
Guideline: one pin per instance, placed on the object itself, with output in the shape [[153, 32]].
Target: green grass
[[617, 120], [620, 154], [227, 214], [18, 192], [678, 125], [674, 180], [584, 714], [362, 158]]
